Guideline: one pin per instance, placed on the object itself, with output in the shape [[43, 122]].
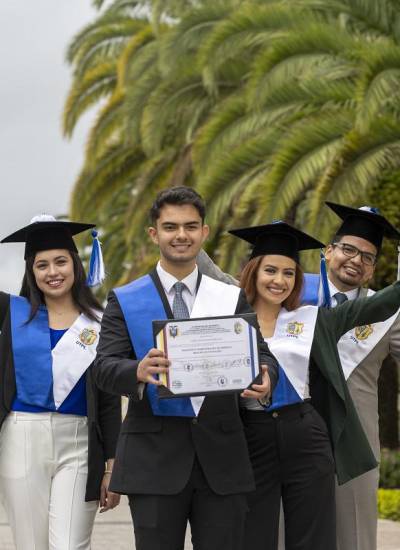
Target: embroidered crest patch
[[294, 328], [362, 332], [88, 336]]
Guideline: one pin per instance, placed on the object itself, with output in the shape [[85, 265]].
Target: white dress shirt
[[168, 281]]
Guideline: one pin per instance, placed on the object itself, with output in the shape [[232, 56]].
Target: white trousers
[[43, 471]]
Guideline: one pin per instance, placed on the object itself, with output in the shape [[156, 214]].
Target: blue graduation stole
[[316, 287], [310, 293], [31, 347], [284, 393], [141, 304]]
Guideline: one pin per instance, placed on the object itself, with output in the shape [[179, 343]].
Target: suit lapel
[[156, 280]]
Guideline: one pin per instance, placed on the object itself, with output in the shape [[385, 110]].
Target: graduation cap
[[365, 222], [276, 238], [283, 239], [44, 232]]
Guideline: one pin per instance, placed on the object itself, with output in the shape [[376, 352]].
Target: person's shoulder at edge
[[209, 268]]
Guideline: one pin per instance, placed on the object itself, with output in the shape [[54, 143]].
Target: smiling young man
[[351, 259], [184, 459]]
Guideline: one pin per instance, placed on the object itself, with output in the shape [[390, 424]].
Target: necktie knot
[[179, 287], [179, 307], [340, 298]]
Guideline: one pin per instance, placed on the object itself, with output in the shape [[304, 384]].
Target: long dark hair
[[82, 296]]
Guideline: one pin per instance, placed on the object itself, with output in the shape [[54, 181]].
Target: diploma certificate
[[208, 355]]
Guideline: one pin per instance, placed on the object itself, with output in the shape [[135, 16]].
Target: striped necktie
[[179, 308]]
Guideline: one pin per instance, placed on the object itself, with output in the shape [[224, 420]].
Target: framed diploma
[[209, 355]]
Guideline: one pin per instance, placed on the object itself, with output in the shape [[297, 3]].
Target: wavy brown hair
[[248, 280], [82, 296]]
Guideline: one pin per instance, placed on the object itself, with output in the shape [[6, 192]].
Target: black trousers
[[292, 460], [216, 521]]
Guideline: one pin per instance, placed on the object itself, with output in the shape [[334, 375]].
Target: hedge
[[389, 504]]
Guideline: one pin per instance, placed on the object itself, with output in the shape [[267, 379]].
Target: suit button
[[275, 415], [194, 421]]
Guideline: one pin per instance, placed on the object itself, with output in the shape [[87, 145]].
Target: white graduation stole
[[291, 344], [72, 355], [357, 343], [213, 299]]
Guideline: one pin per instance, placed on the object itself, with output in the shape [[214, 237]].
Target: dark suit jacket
[[104, 410], [155, 454]]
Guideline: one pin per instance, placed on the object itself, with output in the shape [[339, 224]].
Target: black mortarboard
[[45, 232], [276, 238], [364, 222]]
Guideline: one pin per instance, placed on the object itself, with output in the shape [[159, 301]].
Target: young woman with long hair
[[58, 432], [311, 429]]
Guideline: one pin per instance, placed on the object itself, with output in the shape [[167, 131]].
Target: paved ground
[[114, 530]]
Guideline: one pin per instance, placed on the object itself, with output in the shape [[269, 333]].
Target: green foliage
[[267, 107], [389, 504], [385, 195], [389, 469]]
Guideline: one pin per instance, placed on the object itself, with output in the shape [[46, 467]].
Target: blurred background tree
[[386, 196]]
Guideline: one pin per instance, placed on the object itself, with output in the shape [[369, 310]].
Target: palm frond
[[101, 39], [231, 124], [314, 52], [185, 37], [126, 7], [135, 58], [362, 162], [143, 77], [378, 87], [372, 18], [84, 93], [243, 33], [94, 188], [230, 251], [235, 163], [153, 174], [301, 154], [107, 128], [170, 109]]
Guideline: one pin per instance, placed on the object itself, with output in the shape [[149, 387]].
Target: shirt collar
[[351, 294], [168, 280]]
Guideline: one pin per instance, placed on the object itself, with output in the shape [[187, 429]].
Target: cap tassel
[[324, 296], [96, 266]]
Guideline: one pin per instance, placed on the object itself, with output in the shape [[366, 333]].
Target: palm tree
[[138, 144], [267, 107], [332, 95]]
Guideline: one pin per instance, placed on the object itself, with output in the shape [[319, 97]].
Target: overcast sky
[[38, 166]]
